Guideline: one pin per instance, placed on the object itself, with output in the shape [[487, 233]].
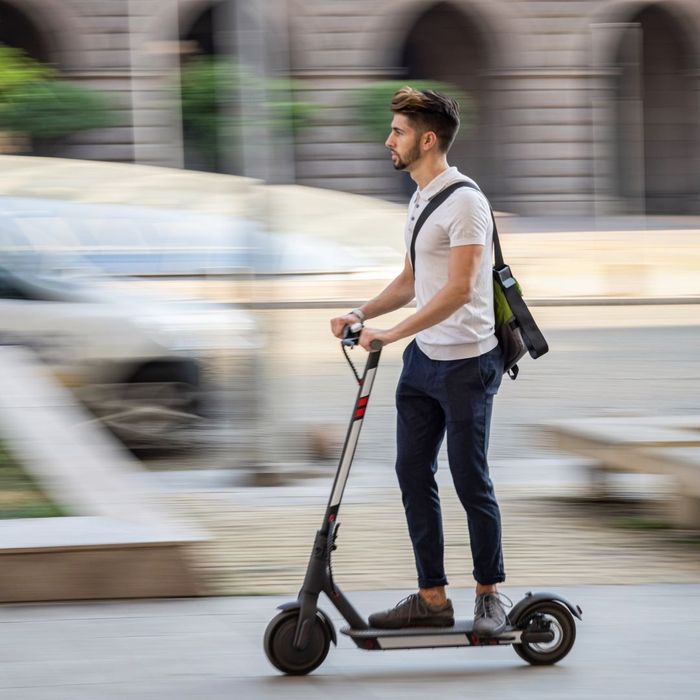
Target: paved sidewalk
[[635, 642], [550, 537]]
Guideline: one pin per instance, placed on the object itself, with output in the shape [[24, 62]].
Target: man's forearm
[[440, 307], [395, 296]]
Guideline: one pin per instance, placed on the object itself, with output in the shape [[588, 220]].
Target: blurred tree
[[37, 104], [202, 82], [372, 105], [287, 114], [17, 70], [211, 89], [52, 108]]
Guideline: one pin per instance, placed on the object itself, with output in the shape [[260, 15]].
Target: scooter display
[[541, 627]]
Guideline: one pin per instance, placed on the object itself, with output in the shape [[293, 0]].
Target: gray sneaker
[[490, 614], [413, 611]]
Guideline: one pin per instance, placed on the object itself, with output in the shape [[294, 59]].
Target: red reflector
[[360, 413], [368, 644]]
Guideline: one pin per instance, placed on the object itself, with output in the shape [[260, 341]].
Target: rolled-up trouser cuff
[[490, 581], [432, 582]]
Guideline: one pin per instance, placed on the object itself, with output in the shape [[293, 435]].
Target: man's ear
[[429, 140]]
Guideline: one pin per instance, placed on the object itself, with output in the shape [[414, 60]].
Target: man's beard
[[412, 156]]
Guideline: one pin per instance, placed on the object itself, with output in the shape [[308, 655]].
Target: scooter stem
[[318, 572], [351, 439]]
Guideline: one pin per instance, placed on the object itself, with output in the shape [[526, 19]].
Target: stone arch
[[206, 28], [648, 62], [456, 42], [490, 18], [616, 14], [42, 28], [192, 12], [18, 31], [230, 28], [669, 112], [196, 22]]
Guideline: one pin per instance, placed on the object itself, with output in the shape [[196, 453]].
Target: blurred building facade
[[583, 106]]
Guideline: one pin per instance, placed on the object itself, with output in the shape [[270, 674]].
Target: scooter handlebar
[[351, 335]]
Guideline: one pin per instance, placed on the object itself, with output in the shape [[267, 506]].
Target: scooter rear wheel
[[555, 618], [279, 644]]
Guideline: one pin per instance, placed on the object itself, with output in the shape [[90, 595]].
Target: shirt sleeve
[[469, 218]]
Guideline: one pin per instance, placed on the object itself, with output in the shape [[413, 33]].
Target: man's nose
[[389, 141]]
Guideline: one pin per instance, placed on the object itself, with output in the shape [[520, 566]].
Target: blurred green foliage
[[36, 102], [372, 105], [17, 70], [211, 91], [50, 109]]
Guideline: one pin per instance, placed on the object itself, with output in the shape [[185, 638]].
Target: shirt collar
[[438, 183]]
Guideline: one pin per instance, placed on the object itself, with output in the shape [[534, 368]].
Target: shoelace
[[486, 604], [412, 601]]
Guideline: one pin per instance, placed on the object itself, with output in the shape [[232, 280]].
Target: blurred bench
[[668, 445], [117, 541]]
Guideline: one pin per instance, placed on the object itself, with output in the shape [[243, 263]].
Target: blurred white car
[[150, 370], [143, 366]]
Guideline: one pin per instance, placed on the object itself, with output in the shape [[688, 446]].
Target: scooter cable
[[354, 371]]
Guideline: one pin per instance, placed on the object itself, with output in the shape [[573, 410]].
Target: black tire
[[561, 621], [280, 650], [183, 379]]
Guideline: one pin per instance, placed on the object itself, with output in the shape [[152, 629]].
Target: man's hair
[[428, 110]]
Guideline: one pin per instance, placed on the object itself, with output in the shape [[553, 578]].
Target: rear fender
[[522, 607]]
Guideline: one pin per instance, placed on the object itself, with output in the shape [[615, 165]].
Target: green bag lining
[[502, 310]]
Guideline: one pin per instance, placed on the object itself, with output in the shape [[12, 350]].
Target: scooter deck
[[460, 634]]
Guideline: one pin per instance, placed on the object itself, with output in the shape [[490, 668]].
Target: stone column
[[154, 61], [618, 118]]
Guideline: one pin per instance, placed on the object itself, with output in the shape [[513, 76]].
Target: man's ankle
[[481, 588], [434, 597]]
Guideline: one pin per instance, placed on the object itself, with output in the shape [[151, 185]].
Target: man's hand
[[339, 322], [370, 334]]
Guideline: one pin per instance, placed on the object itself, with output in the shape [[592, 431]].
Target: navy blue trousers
[[435, 398]]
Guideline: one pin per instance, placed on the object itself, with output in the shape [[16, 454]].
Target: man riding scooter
[[451, 369]]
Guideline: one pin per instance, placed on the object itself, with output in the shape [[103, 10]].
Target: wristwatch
[[358, 313]]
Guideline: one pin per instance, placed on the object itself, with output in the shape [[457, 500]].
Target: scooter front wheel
[[547, 617], [279, 644]]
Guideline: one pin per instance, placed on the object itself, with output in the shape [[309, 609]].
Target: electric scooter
[[541, 627]]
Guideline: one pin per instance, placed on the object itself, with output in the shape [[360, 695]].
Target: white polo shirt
[[463, 219]]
